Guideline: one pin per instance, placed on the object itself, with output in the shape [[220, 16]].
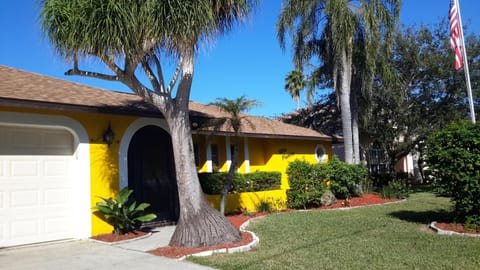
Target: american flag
[[455, 35]]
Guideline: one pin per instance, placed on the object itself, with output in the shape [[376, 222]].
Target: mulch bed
[[179, 252], [366, 199], [111, 237]]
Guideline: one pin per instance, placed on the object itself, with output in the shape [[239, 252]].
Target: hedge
[[212, 183]]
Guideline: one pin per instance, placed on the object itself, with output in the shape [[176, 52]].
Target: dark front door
[[151, 173]]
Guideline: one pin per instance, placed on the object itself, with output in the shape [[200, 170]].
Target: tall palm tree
[[294, 83], [234, 108], [130, 38], [333, 31]]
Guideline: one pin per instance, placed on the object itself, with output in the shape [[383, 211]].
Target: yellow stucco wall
[[264, 155], [249, 201]]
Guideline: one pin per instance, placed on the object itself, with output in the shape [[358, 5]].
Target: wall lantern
[[108, 135]]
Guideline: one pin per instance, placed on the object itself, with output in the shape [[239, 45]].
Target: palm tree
[[294, 83], [333, 31], [236, 120], [130, 38]]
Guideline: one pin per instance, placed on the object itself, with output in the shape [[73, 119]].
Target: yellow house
[[63, 145]]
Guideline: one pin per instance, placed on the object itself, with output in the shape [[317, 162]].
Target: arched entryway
[[151, 172]]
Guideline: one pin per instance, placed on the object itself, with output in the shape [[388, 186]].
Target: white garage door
[[36, 185]]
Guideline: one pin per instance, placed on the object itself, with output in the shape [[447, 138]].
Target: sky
[[247, 61]]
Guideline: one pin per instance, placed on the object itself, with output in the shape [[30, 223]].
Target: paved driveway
[[83, 255]]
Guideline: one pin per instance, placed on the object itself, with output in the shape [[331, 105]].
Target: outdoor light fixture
[[108, 135]]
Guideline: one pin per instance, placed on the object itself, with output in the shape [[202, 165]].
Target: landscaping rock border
[[445, 232], [243, 248]]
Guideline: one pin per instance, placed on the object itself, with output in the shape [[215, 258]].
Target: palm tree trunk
[[345, 78], [355, 134], [198, 224]]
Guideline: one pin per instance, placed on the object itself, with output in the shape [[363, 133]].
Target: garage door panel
[[24, 198], [36, 185], [25, 228], [3, 230], [24, 168], [52, 225], [57, 197], [56, 167]]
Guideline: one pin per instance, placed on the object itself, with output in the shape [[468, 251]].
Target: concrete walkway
[[160, 237], [85, 254]]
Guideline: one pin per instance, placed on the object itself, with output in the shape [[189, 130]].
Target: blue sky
[[248, 61]]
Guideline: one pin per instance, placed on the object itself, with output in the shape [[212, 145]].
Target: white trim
[[125, 143], [323, 158], [228, 153], [82, 216], [209, 158], [246, 154]]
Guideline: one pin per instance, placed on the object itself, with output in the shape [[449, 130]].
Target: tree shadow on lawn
[[423, 217]]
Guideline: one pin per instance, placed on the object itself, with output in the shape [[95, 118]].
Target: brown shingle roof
[[21, 88], [252, 126], [26, 89]]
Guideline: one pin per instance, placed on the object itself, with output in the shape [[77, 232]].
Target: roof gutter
[[121, 110], [264, 136]]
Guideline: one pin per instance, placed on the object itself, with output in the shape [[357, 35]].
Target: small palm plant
[[235, 119], [122, 214]]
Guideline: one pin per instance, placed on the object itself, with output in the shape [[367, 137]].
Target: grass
[[377, 237]]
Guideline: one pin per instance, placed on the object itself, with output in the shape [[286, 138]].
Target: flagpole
[[465, 64]]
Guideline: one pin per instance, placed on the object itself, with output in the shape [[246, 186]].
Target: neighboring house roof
[[321, 116], [29, 90]]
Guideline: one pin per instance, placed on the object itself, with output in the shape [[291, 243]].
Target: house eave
[[32, 104], [264, 136]]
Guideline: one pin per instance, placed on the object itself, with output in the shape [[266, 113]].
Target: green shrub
[[123, 214], [453, 157], [367, 184], [264, 206], [395, 189], [212, 183], [345, 178], [306, 185], [472, 222], [308, 181]]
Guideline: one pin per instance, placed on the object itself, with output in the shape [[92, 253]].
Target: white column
[[209, 158], [228, 152], [247, 155]]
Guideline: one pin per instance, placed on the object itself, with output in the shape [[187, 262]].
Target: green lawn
[[377, 237]]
